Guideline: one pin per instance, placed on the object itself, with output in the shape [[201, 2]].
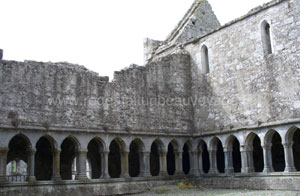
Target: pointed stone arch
[[69, 150], [156, 156], [216, 154], [255, 155], [95, 158], [232, 155], [45, 147], [273, 146], [135, 158], [204, 162]]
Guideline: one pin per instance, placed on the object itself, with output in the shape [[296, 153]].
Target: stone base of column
[[31, 179], [213, 171], [229, 170], [248, 170], [179, 173], [145, 174], [56, 178], [267, 170], [105, 176], [81, 177], [126, 175], [163, 173], [290, 169], [196, 172]]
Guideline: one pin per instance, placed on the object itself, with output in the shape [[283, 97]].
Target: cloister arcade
[[81, 157]]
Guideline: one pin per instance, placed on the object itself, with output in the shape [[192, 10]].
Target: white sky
[[103, 35]]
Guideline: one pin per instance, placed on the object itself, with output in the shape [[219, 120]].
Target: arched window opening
[[94, 166], [171, 160], [43, 160], [134, 159], [236, 156], [220, 157], [114, 160], [204, 59], [205, 158], [17, 158], [154, 160], [258, 157], [186, 159], [277, 151], [296, 149], [67, 156], [266, 37]]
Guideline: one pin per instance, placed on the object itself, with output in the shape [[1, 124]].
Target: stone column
[[289, 157], [81, 165], [178, 163], [104, 164], [163, 163], [194, 163], [251, 167], [56, 165], [124, 165], [199, 163], [228, 161], [3, 160], [30, 167], [267, 158], [213, 162], [145, 164]]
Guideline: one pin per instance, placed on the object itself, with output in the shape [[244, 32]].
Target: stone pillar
[[267, 158], [30, 167], [124, 165], [163, 163], [56, 165], [199, 163], [178, 163], [289, 157], [213, 161], [228, 161], [104, 164], [194, 163], [81, 165], [247, 159], [3, 160], [145, 164]]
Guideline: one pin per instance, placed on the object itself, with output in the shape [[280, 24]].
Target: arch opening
[[17, 158], [43, 159], [266, 37], [258, 155], [114, 160], [154, 159], [205, 158], [236, 156], [94, 159], [134, 159], [186, 159], [277, 152], [204, 59], [220, 157], [171, 166], [67, 156]]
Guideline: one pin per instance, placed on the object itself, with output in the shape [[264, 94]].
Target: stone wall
[[245, 87], [63, 95]]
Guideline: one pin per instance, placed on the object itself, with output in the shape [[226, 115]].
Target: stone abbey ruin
[[216, 105]]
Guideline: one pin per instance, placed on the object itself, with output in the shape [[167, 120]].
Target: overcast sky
[[103, 35]]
